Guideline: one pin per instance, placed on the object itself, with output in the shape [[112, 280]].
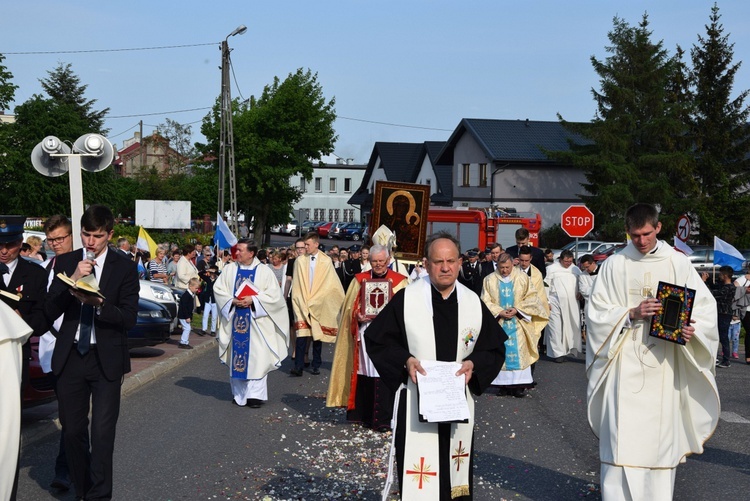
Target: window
[[482, 174], [347, 185], [332, 187], [330, 214], [465, 173], [335, 214], [302, 185], [318, 184]]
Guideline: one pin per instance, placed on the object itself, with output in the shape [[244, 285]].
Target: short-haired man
[[355, 383], [537, 255], [123, 247], [514, 301], [590, 270], [490, 265], [563, 333], [299, 250], [317, 296], [435, 319], [470, 274], [254, 333], [91, 353], [651, 402]]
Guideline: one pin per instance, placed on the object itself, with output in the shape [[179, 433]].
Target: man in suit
[[490, 265], [91, 353], [537, 255]]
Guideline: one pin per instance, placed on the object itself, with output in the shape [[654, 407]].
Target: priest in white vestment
[[14, 332], [513, 300], [563, 333], [651, 402], [253, 326]]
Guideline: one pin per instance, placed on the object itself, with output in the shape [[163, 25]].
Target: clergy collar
[[374, 275], [656, 247], [437, 293], [506, 280]]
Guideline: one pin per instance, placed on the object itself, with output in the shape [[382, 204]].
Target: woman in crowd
[[158, 267]]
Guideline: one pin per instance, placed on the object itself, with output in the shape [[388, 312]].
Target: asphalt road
[[179, 437]]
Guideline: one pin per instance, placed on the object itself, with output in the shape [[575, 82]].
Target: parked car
[[324, 229], [581, 248], [290, 228], [352, 231], [152, 326], [601, 256], [603, 247], [167, 296], [335, 231], [309, 226], [40, 389], [702, 258]]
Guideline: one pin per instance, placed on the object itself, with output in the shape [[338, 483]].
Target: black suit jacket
[[471, 277], [537, 257], [120, 286], [488, 268], [32, 280]]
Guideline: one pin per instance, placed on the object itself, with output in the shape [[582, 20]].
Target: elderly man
[[355, 383], [563, 334], [254, 331], [514, 301], [317, 297], [651, 402], [435, 319]]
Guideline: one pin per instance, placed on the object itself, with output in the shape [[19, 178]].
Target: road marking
[[733, 417]]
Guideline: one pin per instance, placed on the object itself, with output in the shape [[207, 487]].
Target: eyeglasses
[[300, 248], [58, 240]]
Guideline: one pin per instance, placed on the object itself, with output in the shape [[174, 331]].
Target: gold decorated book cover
[[676, 308]]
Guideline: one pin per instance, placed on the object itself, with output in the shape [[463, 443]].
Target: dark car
[[601, 256], [40, 389], [352, 231], [152, 326]]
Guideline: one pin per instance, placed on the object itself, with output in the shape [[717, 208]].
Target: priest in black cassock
[[447, 322]]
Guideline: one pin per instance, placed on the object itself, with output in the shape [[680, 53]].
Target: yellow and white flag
[[145, 242]]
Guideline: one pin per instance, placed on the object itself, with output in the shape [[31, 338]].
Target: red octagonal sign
[[577, 221]]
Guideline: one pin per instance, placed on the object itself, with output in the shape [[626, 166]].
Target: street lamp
[[226, 140]]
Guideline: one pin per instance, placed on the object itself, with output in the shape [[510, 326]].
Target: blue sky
[[419, 65]]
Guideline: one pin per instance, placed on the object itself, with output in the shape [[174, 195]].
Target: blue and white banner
[[725, 254], [223, 237]]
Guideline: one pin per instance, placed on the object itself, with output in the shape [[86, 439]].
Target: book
[[246, 288], [676, 309], [86, 285]]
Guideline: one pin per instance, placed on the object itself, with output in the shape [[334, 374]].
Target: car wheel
[[293, 233], [355, 236]]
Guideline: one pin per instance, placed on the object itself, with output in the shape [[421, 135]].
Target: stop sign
[[577, 221]]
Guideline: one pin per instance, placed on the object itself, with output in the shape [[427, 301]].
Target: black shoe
[[519, 393], [723, 365], [307, 364], [185, 346], [559, 360], [254, 403], [315, 371], [200, 332], [61, 484], [295, 372]]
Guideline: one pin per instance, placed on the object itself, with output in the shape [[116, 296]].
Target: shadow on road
[[205, 387]]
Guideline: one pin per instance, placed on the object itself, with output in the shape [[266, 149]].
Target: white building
[[326, 197]]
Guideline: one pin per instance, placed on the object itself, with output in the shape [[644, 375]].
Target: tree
[[179, 138], [722, 139], [7, 89], [64, 86], [636, 154], [276, 136]]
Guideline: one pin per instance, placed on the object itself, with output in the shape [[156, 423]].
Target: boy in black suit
[[91, 354], [185, 311]]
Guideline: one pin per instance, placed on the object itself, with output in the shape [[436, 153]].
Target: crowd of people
[[492, 314]]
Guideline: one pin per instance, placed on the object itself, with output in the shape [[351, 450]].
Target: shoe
[[212, 334], [559, 360], [307, 364], [723, 365], [315, 371], [735, 355], [295, 372], [61, 484], [519, 393], [254, 403], [185, 346]]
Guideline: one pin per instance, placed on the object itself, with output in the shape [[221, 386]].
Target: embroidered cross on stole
[[510, 326], [241, 323]]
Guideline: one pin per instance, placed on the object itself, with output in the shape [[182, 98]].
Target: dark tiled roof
[[400, 160], [512, 140]]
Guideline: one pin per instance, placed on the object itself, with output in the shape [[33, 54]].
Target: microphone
[[90, 256]]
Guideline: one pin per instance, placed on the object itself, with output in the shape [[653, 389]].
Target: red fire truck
[[477, 228]]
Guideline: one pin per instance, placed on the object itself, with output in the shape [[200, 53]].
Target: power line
[[160, 113], [33, 53], [394, 125]]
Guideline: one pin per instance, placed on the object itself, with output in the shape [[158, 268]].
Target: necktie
[[3, 271], [87, 322]]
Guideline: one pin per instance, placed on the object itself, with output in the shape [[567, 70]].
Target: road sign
[[683, 228], [577, 221]]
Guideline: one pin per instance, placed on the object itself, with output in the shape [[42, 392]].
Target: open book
[[86, 285]]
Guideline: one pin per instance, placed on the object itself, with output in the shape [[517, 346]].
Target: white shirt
[[98, 269]]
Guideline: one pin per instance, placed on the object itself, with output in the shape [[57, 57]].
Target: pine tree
[[721, 137], [64, 87]]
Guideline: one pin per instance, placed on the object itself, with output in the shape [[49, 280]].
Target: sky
[[400, 71]]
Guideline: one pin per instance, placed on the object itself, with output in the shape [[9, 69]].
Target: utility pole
[[226, 139]]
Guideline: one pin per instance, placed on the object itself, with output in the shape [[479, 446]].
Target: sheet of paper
[[442, 394]]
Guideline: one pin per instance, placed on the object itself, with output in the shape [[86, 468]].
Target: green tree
[[634, 156], [64, 86], [276, 136], [7, 88], [721, 137]]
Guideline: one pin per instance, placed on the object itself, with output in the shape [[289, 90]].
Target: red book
[[246, 289]]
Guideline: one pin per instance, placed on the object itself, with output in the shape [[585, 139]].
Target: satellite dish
[[98, 147], [44, 162]]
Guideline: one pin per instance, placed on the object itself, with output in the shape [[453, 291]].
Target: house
[[138, 156], [485, 163], [326, 197]]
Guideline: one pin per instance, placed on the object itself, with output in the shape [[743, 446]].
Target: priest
[[355, 383], [254, 324], [434, 318], [511, 297], [651, 402], [563, 334]]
